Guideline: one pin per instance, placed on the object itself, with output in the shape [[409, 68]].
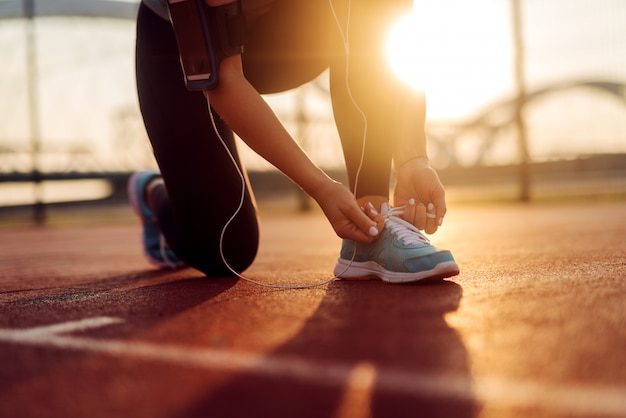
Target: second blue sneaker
[[155, 247], [401, 254]]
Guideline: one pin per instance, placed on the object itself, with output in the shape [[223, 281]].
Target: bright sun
[[454, 50], [404, 51], [425, 48]]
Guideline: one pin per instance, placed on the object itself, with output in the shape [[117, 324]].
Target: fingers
[[415, 213], [431, 219], [426, 217], [364, 225], [379, 220]]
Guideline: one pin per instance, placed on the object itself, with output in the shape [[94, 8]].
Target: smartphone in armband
[[193, 37]]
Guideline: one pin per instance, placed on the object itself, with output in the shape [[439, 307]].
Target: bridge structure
[[489, 125], [492, 121]]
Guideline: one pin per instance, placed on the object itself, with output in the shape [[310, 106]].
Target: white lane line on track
[[62, 328], [575, 400], [356, 401]]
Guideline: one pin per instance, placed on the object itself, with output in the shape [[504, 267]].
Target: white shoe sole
[[365, 270]]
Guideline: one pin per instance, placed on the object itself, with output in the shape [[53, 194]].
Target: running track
[[535, 325]]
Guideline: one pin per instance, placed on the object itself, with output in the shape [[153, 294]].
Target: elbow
[[230, 74]]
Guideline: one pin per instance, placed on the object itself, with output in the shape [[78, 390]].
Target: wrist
[[317, 184], [423, 159]]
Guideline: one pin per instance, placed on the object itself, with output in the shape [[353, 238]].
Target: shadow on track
[[387, 326]]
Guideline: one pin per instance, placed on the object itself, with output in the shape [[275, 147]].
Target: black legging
[[290, 45]]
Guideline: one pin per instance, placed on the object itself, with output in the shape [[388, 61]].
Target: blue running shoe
[[401, 254], [154, 245]]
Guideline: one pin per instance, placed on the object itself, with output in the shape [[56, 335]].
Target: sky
[[468, 45], [463, 50]]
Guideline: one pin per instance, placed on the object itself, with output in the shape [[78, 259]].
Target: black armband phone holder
[[205, 36]]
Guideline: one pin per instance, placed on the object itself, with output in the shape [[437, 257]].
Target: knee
[[225, 257]]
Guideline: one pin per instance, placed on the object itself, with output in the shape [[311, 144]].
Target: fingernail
[[411, 202], [440, 222], [431, 206], [431, 216], [373, 231]]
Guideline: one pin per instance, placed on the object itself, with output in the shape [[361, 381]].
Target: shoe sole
[[365, 270]]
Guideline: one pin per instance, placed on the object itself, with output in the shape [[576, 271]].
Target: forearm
[[243, 109]]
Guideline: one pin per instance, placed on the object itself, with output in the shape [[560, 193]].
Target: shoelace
[[405, 231]]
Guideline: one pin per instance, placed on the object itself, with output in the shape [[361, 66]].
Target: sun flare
[[424, 49], [452, 50], [403, 51]]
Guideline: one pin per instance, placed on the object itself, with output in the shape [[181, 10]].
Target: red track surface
[[535, 325]]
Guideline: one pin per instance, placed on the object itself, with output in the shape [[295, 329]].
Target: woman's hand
[[419, 189], [347, 218]]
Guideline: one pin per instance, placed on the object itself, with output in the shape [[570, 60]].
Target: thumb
[[367, 220], [373, 215]]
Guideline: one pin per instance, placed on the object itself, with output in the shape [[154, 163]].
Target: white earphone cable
[[346, 43]]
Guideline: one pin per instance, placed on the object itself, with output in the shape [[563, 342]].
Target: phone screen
[[191, 35]]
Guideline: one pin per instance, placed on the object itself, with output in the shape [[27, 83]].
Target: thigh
[[291, 44], [204, 185]]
